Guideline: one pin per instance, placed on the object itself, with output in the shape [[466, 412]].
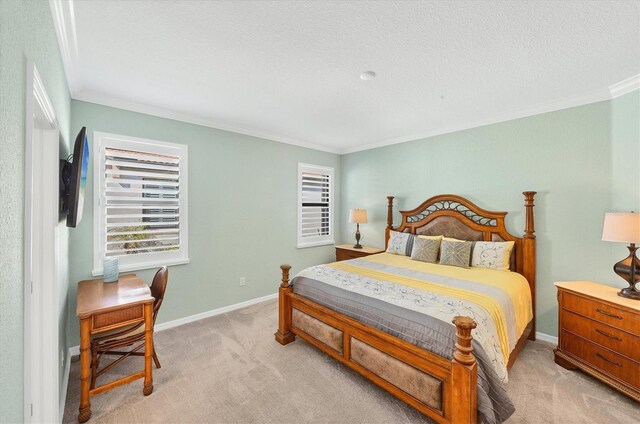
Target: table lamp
[[358, 216], [625, 227]]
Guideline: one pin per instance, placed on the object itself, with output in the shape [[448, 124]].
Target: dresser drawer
[[602, 359], [601, 312], [602, 334]]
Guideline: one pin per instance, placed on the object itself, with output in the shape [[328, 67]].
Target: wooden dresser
[[599, 333], [347, 251]]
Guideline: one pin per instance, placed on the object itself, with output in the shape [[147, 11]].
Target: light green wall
[[583, 161], [26, 33], [242, 212], [625, 152], [569, 157]]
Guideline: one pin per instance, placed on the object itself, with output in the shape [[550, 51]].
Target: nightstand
[[347, 251], [599, 333]]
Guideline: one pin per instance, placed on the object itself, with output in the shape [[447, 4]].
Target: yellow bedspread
[[483, 287]]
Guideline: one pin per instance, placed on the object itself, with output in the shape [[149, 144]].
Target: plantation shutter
[[142, 188], [142, 192], [315, 217]]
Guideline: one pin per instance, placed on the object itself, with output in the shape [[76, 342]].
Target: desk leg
[[148, 349], [85, 364]]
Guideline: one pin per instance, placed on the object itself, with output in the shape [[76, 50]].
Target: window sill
[[315, 244], [145, 265]]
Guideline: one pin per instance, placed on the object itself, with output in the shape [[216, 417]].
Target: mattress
[[416, 301]]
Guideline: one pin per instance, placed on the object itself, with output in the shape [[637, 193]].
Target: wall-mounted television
[[73, 179]]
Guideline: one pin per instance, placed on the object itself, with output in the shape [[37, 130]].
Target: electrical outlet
[[243, 281]]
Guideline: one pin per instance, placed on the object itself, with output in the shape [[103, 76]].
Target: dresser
[[347, 251], [599, 333]]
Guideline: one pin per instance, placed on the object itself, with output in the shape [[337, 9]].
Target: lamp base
[[628, 270], [357, 245], [629, 293]]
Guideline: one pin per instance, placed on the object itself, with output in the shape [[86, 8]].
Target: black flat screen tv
[[73, 177]]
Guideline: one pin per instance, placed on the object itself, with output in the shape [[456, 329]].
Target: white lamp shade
[[621, 227], [358, 216]]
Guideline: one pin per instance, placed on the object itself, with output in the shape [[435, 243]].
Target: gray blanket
[[494, 406]]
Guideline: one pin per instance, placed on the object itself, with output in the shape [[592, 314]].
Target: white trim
[[41, 285], [75, 350], [613, 91], [64, 21], [593, 97], [625, 86], [315, 243], [546, 338], [63, 15], [65, 383], [150, 260], [104, 100], [145, 265], [302, 243]]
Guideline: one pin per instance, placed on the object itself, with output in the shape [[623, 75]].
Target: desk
[[108, 306]]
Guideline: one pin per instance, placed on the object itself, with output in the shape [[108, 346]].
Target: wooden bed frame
[[399, 364]]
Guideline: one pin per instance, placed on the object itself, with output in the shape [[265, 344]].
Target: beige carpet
[[229, 369]]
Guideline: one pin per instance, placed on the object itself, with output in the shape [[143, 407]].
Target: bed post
[[389, 220], [284, 335], [529, 252], [464, 374]]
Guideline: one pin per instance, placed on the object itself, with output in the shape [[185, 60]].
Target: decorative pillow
[[455, 253], [451, 239], [439, 238], [425, 249], [492, 254], [400, 243]]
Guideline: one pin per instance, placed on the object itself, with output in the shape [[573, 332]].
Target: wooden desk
[[107, 306]]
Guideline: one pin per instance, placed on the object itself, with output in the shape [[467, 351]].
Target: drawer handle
[[609, 314], [609, 360], [608, 335]]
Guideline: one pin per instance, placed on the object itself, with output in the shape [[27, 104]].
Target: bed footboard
[[444, 390]]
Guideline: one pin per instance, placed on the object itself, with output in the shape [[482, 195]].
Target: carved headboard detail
[[454, 216]]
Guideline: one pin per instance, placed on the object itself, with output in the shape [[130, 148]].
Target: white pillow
[[400, 243], [492, 254]]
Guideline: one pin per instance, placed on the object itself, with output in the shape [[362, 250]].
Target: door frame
[[41, 279]]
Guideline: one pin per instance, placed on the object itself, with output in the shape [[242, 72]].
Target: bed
[[408, 326]]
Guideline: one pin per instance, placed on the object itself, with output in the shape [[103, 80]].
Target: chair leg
[[156, 360]]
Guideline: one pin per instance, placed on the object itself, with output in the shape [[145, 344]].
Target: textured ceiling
[[290, 71]]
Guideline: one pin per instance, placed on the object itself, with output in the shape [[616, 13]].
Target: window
[[315, 205], [140, 202]]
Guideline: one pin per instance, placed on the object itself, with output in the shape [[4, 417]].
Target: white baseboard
[[75, 350], [65, 384], [546, 338]]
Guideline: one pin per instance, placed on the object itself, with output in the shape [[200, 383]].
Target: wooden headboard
[[454, 216]]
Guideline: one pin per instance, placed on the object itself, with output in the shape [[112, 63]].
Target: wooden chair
[[108, 343]]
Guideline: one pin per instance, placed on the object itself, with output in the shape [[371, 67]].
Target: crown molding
[[64, 22], [192, 119], [616, 90], [625, 86], [593, 97]]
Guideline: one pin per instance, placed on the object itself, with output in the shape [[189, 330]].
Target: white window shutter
[[315, 205], [141, 192]]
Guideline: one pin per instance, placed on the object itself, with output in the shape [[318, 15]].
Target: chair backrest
[[158, 287]]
